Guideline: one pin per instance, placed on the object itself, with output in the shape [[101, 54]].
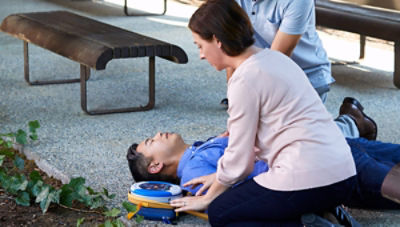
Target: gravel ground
[[73, 144]]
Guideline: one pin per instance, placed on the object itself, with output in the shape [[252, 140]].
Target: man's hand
[[205, 180], [224, 134]]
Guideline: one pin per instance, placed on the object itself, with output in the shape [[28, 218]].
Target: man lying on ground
[[167, 157]]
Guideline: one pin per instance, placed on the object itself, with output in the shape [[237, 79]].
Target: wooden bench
[[90, 43], [143, 14], [365, 20]]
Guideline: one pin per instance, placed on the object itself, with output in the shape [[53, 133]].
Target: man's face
[[161, 147]]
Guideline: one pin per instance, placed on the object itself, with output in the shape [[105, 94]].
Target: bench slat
[[84, 40], [352, 18]]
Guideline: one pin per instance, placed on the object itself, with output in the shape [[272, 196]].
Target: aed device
[[152, 200]]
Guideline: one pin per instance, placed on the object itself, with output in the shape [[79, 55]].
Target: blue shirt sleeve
[[296, 16]]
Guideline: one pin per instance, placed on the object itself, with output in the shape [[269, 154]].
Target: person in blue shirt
[[167, 157], [289, 26]]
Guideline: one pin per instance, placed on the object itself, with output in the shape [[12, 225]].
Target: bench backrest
[[374, 22], [387, 4]]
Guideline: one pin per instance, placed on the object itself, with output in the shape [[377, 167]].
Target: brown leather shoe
[[366, 126]]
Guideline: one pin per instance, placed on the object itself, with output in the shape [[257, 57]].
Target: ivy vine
[[32, 189]]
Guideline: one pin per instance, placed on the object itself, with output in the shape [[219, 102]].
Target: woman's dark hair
[[225, 20], [138, 164]]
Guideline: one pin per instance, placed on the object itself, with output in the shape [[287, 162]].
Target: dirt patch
[[12, 214]]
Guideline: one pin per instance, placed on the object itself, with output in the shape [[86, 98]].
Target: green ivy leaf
[[118, 223], [19, 162], [37, 188], [79, 221], [56, 197], [33, 136], [7, 153], [23, 199], [77, 183], [67, 195], [17, 183], [43, 194], [130, 207], [35, 176], [105, 192], [2, 157], [108, 224], [139, 218], [33, 125], [21, 137], [91, 191], [96, 202], [9, 144], [5, 180], [45, 203], [114, 212]]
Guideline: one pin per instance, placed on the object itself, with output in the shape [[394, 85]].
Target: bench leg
[[26, 72], [362, 46], [396, 74], [143, 14], [85, 72]]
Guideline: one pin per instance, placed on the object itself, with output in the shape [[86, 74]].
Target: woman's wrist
[[215, 190]]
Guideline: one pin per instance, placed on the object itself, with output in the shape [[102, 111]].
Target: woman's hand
[[198, 203], [205, 180]]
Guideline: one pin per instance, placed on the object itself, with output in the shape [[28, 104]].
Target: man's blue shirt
[[373, 161], [296, 17], [201, 159]]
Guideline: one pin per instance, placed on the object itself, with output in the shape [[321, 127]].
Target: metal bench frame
[[365, 21], [92, 44], [84, 77]]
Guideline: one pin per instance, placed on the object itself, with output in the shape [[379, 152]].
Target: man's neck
[[177, 158]]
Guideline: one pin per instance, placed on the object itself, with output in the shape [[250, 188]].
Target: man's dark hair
[[227, 21], [138, 164]]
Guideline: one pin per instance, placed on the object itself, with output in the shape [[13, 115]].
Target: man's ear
[[155, 167]]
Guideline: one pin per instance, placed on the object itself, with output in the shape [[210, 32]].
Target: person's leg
[[387, 153], [345, 123], [250, 203], [323, 92], [366, 126], [347, 126], [370, 176]]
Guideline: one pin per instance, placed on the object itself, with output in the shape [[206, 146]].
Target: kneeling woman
[[272, 106]]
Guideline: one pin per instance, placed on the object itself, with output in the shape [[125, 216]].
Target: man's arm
[[285, 43], [295, 21]]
